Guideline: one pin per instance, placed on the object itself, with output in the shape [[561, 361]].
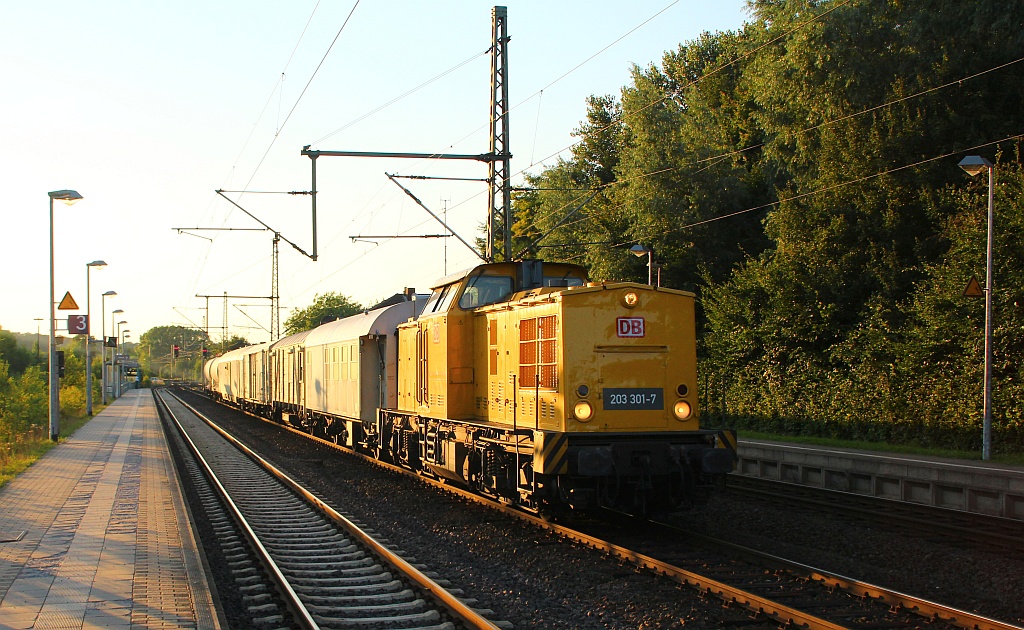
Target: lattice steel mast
[[499, 219], [499, 223]]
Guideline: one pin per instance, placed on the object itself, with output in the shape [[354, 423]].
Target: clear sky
[[147, 108]]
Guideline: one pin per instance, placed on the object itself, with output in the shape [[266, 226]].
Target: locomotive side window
[[440, 299], [447, 297], [563, 281], [431, 304], [484, 290]]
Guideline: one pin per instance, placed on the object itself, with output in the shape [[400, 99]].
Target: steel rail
[[903, 512], [454, 605], [779, 612], [299, 612], [782, 614], [923, 607], [917, 605]]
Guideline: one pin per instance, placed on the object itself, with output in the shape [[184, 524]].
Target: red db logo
[[630, 326]]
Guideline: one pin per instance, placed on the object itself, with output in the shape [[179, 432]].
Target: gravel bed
[[535, 580], [976, 581], [526, 576]]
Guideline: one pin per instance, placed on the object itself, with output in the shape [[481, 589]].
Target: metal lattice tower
[[499, 212], [499, 221]]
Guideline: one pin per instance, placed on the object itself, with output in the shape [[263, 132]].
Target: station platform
[[966, 485], [95, 534]]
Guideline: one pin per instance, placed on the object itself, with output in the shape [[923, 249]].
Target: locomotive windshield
[[485, 289], [498, 282]]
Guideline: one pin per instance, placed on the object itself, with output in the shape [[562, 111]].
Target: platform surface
[[95, 534]]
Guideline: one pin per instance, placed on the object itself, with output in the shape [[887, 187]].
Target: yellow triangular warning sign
[[68, 303], [973, 288]]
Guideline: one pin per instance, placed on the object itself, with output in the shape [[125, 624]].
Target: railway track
[[324, 570], [821, 599], [772, 589], [975, 530]]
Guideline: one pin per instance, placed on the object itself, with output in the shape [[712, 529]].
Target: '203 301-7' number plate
[[629, 398]]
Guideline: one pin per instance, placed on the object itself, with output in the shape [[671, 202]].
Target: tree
[[156, 350], [770, 171], [17, 357], [325, 308]]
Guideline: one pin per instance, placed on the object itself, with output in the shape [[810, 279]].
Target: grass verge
[[19, 456]]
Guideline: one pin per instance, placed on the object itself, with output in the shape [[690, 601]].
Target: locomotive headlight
[[682, 410], [630, 299], [583, 411]]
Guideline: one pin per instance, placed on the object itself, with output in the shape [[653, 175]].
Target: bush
[[72, 400], [25, 401]]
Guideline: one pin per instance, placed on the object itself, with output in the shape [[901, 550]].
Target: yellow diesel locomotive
[[523, 381]]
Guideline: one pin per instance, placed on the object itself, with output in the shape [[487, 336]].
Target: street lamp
[[124, 351], [69, 197], [113, 352], [88, 336], [973, 165], [638, 251], [115, 370], [103, 346]]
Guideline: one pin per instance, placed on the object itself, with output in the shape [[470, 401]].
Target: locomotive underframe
[[551, 471], [630, 471]]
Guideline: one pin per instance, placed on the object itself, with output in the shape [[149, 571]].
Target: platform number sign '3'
[[78, 324], [630, 326]]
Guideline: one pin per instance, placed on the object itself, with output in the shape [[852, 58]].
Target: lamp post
[[124, 338], [88, 337], [115, 370], [113, 351], [973, 165], [69, 197], [103, 346], [638, 251]]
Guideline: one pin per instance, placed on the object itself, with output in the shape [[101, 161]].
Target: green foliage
[[155, 351], [767, 170], [15, 356], [326, 307], [24, 401]]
